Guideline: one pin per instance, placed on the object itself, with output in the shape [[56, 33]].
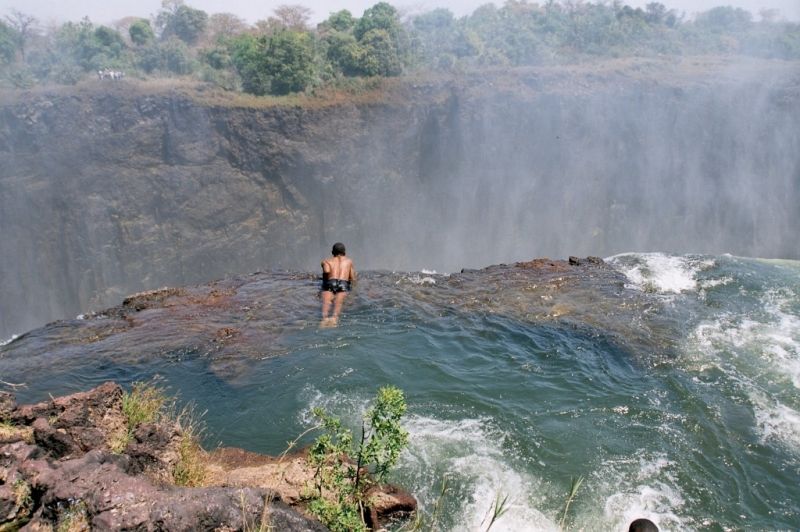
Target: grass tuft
[[191, 467], [145, 403], [10, 431]]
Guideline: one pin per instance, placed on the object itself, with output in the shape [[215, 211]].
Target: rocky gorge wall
[[112, 189]]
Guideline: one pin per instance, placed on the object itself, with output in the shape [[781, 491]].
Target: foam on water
[[416, 278], [8, 341], [776, 421], [472, 450], [782, 335], [769, 342], [659, 272], [627, 489], [759, 351], [349, 408]]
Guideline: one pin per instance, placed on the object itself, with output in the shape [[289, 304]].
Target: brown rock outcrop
[[57, 469]]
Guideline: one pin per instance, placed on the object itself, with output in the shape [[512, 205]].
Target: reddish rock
[[388, 502], [70, 473], [56, 442], [155, 450]]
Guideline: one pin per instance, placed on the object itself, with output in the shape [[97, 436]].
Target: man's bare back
[[340, 267], [338, 274]]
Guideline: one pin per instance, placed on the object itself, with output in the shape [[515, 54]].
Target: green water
[[702, 432]]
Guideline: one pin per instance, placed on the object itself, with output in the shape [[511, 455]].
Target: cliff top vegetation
[[345, 54], [678, 72]]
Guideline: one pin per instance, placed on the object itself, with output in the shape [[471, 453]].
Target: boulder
[[155, 450], [55, 442], [388, 502]]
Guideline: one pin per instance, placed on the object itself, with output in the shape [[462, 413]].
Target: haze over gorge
[[109, 189]]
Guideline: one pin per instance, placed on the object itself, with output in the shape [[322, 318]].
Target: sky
[[107, 11]]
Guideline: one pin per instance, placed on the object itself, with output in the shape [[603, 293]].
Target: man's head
[[338, 249], [643, 525]]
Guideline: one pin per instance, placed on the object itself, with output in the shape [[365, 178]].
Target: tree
[[225, 25], [8, 40], [381, 16], [90, 47], [343, 52], [289, 61], [141, 33], [438, 20], [379, 57], [342, 21], [123, 26], [246, 52], [434, 34], [171, 55], [108, 38], [24, 27], [725, 19], [292, 17], [274, 64], [176, 19]]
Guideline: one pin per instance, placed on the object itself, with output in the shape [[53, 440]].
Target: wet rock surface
[[231, 322], [67, 475]]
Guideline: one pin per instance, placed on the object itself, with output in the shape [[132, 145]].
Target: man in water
[[338, 274]]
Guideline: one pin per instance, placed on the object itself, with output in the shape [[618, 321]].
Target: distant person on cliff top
[[338, 275]]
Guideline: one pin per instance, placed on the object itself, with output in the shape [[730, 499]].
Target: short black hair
[[643, 525], [338, 249]]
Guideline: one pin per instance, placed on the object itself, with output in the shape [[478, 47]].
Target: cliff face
[[112, 189]]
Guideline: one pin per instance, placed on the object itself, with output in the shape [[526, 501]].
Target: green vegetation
[[24, 501], [190, 469], [496, 510], [339, 496], [22, 494], [143, 404], [285, 54], [575, 485], [141, 33], [148, 403], [8, 430]]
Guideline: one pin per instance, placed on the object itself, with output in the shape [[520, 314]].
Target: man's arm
[[352, 273]]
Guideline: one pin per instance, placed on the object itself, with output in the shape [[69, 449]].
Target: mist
[[613, 169], [109, 188], [161, 191]]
